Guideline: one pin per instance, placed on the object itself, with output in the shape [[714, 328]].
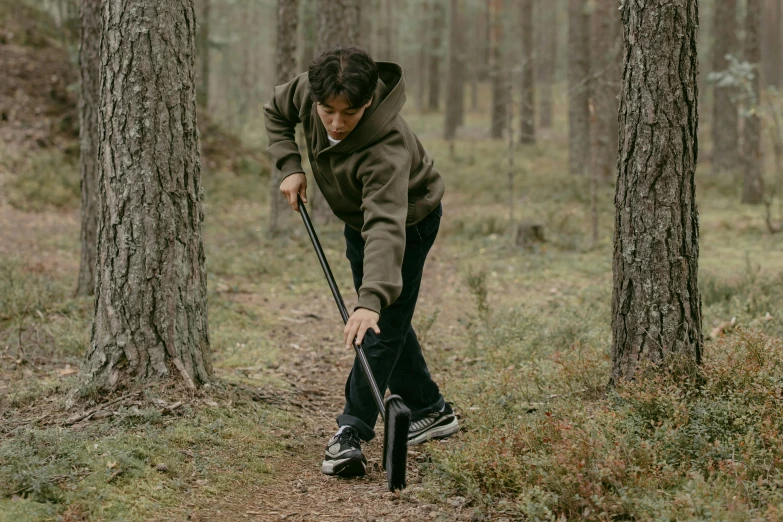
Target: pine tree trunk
[[656, 306], [605, 84], [771, 39], [151, 293], [338, 24], [478, 44], [725, 117], [777, 48], [285, 69], [527, 126], [578, 90], [309, 34], [421, 59], [436, 36], [753, 186], [89, 136], [455, 95], [548, 53], [389, 30], [498, 72], [202, 43]]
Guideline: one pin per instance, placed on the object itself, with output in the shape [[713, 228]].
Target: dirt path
[[299, 490]]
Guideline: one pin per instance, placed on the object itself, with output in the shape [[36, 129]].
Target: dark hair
[[343, 71]]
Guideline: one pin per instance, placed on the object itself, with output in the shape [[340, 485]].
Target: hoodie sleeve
[[384, 178], [281, 115]]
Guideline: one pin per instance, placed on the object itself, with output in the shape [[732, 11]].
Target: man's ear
[[368, 103]]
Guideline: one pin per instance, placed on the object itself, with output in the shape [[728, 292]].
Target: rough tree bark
[[527, 125], [605, 84], [455, 95], [285, 70], [578, 87], [725, 117], [338, 24], [151, 292], [656, 306], [436, 37], [89, 135], [498, 72], [548, 58], [753, 182]]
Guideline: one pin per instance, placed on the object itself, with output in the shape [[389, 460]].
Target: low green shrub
[[639, 452]]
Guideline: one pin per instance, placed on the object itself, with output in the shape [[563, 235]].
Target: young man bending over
[[377, 178]]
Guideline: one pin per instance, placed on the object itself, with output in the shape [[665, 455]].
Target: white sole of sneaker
[[436, 433], [343, 467]]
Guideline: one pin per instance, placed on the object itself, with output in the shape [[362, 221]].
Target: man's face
[[339, 117]]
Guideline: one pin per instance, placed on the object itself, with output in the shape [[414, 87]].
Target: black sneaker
[[434, 426], [343, 456]]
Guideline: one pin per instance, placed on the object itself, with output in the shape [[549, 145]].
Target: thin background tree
[[286, 66], [89, 69]]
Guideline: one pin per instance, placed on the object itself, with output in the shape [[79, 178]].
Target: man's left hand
[[360, 321]]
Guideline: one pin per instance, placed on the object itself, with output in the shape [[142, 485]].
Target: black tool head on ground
[[395, 444]]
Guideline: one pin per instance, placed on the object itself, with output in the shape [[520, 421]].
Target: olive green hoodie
[[378, 180]]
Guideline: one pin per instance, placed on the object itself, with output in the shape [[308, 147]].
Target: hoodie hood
[[387, 102]]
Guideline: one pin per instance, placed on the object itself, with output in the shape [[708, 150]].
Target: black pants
[[395, 354]]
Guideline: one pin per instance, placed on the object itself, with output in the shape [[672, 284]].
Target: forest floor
[[303, 377], [250, 447]]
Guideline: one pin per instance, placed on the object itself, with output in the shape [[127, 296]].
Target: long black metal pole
[[376, 392]]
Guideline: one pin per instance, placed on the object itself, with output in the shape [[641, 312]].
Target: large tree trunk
[[547, 53], [455, 96], [202, 48], [656, 306], [604, 86], [725, 117], [89, 136], [527, 124], [753, 185], [498, 72], [151, 293], [436, 37], [285, 70], [338, 24], [578, 87]]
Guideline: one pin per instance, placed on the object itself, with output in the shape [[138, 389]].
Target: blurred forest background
[[517, 101]]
